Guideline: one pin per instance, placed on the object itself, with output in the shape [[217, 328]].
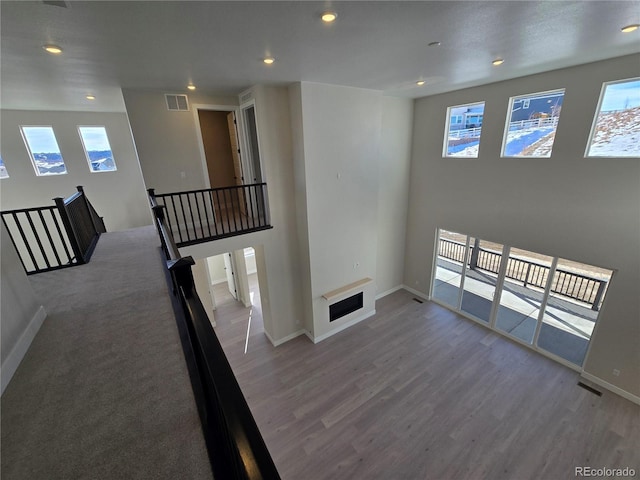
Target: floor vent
[[590, 389], [177, 103], [417, 300]]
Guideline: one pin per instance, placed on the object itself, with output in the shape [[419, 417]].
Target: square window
[[464, 126], [531, 130], [616, 126], [3, 169], [44, 151], [97, 149]]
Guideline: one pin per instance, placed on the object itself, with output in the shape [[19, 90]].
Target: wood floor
[[418, 392]]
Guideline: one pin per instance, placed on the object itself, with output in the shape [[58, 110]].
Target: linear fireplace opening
[[346, 306]]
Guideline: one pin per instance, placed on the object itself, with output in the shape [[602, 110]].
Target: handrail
[[197, 216], [54, 236], [574, 285], [234, 442]]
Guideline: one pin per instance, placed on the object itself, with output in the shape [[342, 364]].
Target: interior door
[[231, 280], [237, 162]]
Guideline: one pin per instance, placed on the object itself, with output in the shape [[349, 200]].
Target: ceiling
[[219, 46]]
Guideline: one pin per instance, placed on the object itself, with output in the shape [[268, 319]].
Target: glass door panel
[[522, 293], [449, 263], [481, 276], [577, 292]]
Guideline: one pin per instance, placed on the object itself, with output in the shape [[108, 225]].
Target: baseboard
[[389, 292], [342, 327], [277, 343], [20, 348], [416, 293], [612, 388]]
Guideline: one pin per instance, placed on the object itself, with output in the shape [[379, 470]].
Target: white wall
[[167, 141], [580, 209], [217, 273], [117, 196], [21, 313], [393, 188]]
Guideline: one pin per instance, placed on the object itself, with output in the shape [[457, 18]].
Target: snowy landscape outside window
[[464, 125], [616, 127], [97, 149], [43, 149], [532, 123], [3, 169]]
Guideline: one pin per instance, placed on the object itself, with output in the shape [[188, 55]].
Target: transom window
[[43, 149], [97, 148], [464, 126], [616, 126], [531, 124]]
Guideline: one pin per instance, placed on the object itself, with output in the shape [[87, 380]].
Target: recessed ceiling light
[[434, 44], [420, 83], [90, 97], [498, 61], [328, 17], [191, 86], [52, 49], [630, 28], [269, 60]]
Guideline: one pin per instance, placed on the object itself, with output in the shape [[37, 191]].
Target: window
[[616, 127], [97, 149], [463, 130], [44, 151], [3, 169], [531, 129]]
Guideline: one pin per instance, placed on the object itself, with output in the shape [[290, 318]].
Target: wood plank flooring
[[418, 392]]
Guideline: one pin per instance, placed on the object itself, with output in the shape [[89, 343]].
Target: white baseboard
[[19, 350], [612, 388], [285, 339], [389, 292], [416, 293], [342, 327]]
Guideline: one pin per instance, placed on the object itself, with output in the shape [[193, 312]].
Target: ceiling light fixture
[[90, 97], [52, 49], [329, 17], [497, 61], [630, 28], [420, 83], [191, 86], [269, 60]]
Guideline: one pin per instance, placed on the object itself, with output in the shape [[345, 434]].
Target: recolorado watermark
[[627, 472]]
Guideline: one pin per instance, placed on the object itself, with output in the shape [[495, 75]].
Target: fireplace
[[346, 306]]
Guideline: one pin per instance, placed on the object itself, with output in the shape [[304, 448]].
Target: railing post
[[596, 303], [475, 252], [71, 234], [86, 202], [526, 277]]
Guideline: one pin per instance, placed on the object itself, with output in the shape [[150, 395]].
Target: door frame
[[203, 157], [242, 125]]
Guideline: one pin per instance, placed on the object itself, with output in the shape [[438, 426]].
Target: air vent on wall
[[246, 96], [55, 3], [177, 103]]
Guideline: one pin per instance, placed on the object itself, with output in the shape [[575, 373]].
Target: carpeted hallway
[[104, 391]]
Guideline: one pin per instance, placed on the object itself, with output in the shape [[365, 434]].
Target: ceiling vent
[[54, 3], [177, 103]]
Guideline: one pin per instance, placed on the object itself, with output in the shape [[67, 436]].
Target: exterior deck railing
[[573, 285], [54, 236], [236, 447], [197, 216]]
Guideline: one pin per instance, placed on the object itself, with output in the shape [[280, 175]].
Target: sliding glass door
[[548, 303]]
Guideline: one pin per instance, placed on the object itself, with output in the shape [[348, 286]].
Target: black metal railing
[[236, 447], [55, 236], [568, 284], [197, 216]]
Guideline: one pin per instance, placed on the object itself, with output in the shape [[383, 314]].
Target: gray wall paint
[[167, 141], [18, 308], [587, 210], [117, 196]]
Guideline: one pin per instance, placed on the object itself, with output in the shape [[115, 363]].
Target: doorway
[[220, 147], [235, 290]]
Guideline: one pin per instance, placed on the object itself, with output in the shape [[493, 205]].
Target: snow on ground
[[617, 134], [470, 151]]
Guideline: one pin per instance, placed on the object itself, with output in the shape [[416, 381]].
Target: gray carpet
[[104, 392]]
